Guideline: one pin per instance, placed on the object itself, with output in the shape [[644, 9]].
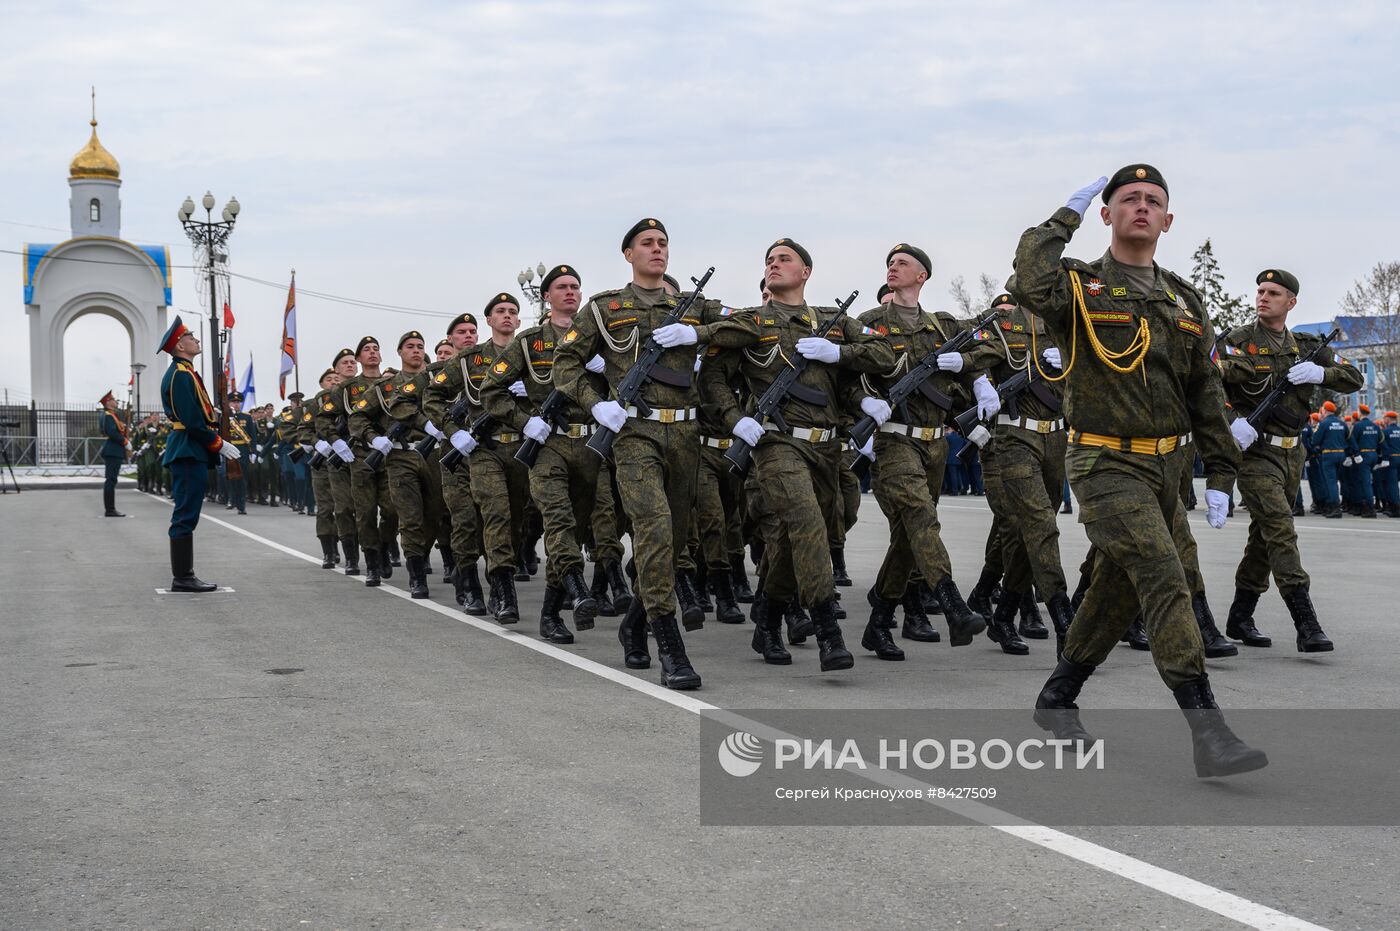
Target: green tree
[[1225, 309]]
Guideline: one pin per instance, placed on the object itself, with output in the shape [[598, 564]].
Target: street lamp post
[[210, 234], [532, 291], [136, 369]]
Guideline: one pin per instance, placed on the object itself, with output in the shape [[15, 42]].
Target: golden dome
[[94, 161]]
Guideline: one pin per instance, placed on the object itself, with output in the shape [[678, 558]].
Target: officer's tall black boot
[[980, 598], [471, 585], [1311, 639], [1136, 635], [182, 574], [963, 623], [838, 567], [877, 637], [931, 603], [1239, 623], [599, 591], [449, 565], [1055, 707], [373, 561], [739, 578], [1216, 645], [394, 555], [1216, 749], [692, 615], [727, 610], [768, 631], [622, 597], [832, 647], [387, 562], [700, 584], [1031, 627], [327, 550], [798, 621], [1001, 629], [552, 627], [504, 608], [352, 555], [417, 576], [632, 634], [676, 671], [1061, 616], [585, 608], [916, 625], [109, 502]]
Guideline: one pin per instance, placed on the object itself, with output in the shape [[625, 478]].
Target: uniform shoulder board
[[1079, 265], [523, 336], [1183, 284], [605, 296]]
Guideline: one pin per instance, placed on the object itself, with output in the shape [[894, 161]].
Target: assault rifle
[[647, 368], [769, 403], [1010, 392], [480, 429], [551, 411], [1265, 409]]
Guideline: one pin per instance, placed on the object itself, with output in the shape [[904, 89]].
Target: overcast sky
[[420, 154]]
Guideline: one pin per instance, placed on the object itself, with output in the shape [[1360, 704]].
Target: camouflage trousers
[[1268, 480], [719, 502], [325, 501], [845, 516], [906, 479], [606, 524], [417, 491], [344, 499], [1129, 505], [1024, 474], [463, 517], [377, 523], [656, 465], [564, 483], [801, 490], [501, 487]]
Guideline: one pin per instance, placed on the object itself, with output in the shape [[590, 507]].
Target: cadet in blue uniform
[[194, 447], [114, 450], [1329, 448], [1388, 467], [1365, 444], [241, 431]]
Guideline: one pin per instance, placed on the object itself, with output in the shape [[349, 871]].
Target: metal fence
[[43, 434]]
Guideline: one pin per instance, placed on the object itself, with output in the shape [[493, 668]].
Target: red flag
[[132, 380], [228, 315], [289, 337]]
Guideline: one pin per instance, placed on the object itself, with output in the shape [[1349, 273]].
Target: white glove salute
[[230, 452], [874, 407], [988, 404], [950, 362], [610, 414], [1244, 434], [1080, 200], [748, 430], [595, 365], [463, 442], [675, 334], [818, 349], [382, 444], [1305, 373], [536, 429], [517, 388], [1052, 356], [1217, 508], [431, 429], [342, 449]]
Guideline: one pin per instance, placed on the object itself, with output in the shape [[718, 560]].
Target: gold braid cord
[[1140, 344]]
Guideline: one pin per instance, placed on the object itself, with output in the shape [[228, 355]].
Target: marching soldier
[[465, 519], [241, 432], [194, 447], [376, 521], [288, 420], [1145, 391], [1253, 359], [327, 519], [413, 479], [331, 427], [114, 450]]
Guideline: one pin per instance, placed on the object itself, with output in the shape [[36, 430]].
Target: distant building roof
[[1357, 331]]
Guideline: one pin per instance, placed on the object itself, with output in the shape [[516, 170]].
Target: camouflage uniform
[[320, 478], [413, 479], [331, 423], [377, 521]]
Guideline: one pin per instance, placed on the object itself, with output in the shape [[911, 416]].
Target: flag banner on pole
[[250, 395], [289, 339], [228, 363], [228, 316]]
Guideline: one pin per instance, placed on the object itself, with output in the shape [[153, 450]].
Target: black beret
[[1002, 298], [884, 289], [1279, 277], [802, 253], [324, 374], [364, 341], [559, 271], [411, 334], [914, 252], [441, 343], [459, 319], [762, 285], [642, 225], [347, 351], [1131, 174], [502, 298]]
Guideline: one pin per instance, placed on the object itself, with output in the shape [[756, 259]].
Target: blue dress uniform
[[241, 431], [113, 455], [1329, 447], [1388, 475], [190, 452], [1365, 442]]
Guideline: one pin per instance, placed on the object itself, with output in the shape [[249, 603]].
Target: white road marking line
[[1184, 888]]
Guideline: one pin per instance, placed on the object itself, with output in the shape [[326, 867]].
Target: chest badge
[[1094, 287]]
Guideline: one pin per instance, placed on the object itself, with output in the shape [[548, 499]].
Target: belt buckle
[[1165, 445], [926, 433], [723, 443], [1288, 442], [815, 435], [1043, 426], [666, 415], [575, 431]]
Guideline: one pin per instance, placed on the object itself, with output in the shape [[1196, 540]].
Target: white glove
[[258, 449], [536, 429], [595, 365], [463, 442], [1380, 465], [306, 448], [988, 404], [252, 459], [950, 362], [230, 452], [675, 334], [382, 444], [342, 449], [1079, 201], [874, 407], [979, 435], [698, 360], [819, 350], [431, 429], [610, 414], [1305, 373], [1348, 462], [323, 447], [1051, 356], [517, 388], [1243, 433], [748, 430], [1217, 508], [868, 450]]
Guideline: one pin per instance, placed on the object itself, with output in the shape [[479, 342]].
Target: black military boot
[[963, 623], [916, 625], [838, 567], [599, 591], [877, 631], [1216, 645], [394, 560], [832, 647], [373, 560], [1368, 511], [1216, 749], [700, 584], [552, 627], [840, 609], [386, 562], [768, 632], [676, 671], [692, 615], [585, 608], [931, 603], [979, 599], [632, 634], [799, 623], [109, 502], [727, 610], [1055, 707], [739, 578], [621, 594], [522, 574], [1061, 616], [417, 577], [1031, 627], [327, 551], [449, 565], [471, 586], [1239, 623], [1311, 639], [1136, 635], [1297, 508], [459, 586], [502, 603], [1001, 628], [182, 577]]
